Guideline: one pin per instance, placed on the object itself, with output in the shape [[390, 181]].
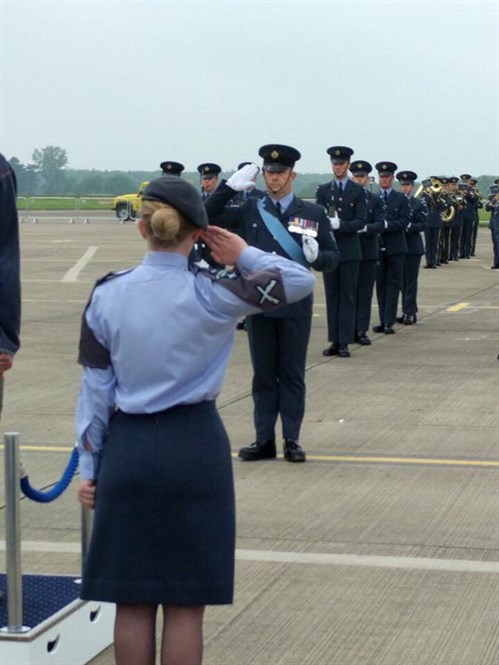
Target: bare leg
[[135, 634], [182, 642]]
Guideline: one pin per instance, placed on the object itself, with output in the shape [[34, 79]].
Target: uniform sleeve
[[262, 282], [10, 283]]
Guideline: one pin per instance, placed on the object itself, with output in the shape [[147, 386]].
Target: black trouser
[[466, 233], [474, 233], [445, 243], [340, 287], [389, 276], [455, 235], [431, 235], [495, 246], [365, 289], [278, 348], [410, 284]]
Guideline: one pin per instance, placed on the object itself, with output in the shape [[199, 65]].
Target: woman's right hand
[[86, 493], [225, 247]]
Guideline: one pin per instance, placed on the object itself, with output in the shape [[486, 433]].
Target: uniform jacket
[[435, 208], [246, 221], [418, 214], [351, 208], [376, 213], [392, 239], [10, 287]]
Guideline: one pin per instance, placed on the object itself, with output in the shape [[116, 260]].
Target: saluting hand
[[225, 247]]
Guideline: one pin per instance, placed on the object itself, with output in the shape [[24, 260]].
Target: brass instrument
[[437, 194]]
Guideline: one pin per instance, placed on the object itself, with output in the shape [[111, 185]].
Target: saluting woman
[[154, 455]]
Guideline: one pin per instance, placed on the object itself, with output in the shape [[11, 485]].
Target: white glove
[[242, 180], [310, 248], [335, 223], [202, 264], [386, 224], [363, 229], [408, 226]]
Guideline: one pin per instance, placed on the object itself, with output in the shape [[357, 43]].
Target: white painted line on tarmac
[[72, 273], [270, 556]]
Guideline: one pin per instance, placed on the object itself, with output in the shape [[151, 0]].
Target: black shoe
[[430, 267], [241, 325], [389, 330], [444, 262], [400, 319], [362, 338], [494, 267], [293, 452], [380, 328], [258, 450], [343, 351], [332, 350], [408, 320]]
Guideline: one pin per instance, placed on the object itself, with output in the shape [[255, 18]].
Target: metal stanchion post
[[13, 534]]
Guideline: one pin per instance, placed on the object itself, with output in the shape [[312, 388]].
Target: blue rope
[[59, 487]]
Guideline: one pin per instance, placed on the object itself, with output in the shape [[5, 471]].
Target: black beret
[[209, 168], [360, 167], [406, 176], [339, 154], [277, 157], [181, 195], [171, 168], [386, 167]]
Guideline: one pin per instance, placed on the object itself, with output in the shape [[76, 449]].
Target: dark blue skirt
[[164, 526]]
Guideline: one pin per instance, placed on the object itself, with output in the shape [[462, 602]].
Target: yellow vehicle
[[126, 206]]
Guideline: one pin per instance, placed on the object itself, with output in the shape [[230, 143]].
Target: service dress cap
[[209, 169], [240, 166], [473, 181], [171, 168], [181, 195], [454, 179], [277, 157], [444, 180], [339, 154], [360, 167], [465, 176], [406, 177], [387, 168]]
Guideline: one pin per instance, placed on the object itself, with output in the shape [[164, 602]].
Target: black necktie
[[279, 208], [340, 188], [385, 195]]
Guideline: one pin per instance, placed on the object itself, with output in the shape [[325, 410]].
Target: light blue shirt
[[285, 202], [169, 333]]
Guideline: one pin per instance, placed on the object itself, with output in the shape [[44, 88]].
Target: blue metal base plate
[[43, 596]]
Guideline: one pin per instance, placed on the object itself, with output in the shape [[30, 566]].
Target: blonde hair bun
[[165, 223]]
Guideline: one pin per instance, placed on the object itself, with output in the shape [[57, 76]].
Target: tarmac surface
[[383, 548]]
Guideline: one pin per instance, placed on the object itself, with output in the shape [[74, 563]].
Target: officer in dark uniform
[[444, 239], [346, 207], [418, 215], [468, 218], [476, 218], [368, 236], [208, 173], [435, 207], [291, 227], [171, 168], [492, 206], [392, 250], [457, 222]]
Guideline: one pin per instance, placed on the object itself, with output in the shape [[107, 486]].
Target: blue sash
[[284, 239]]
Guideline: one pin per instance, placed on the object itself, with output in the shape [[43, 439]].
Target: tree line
[[48, 175]]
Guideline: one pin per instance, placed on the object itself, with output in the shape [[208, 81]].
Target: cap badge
[[383, 166], [337, 152], [274, 154], [169, 167], [360, 165], [206, 169], [404, 175]]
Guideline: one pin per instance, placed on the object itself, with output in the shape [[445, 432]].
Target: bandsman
[[468, 218], [476, 216], [457, 223], [492, 206]]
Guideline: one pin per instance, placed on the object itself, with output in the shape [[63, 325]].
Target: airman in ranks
[[434, 225], [368, 236], [392, 250], [171, 168], [346, 207], [208, 173], [457, 222], [478, 204], [418, 215], [444, 238], [252, 193], [468, 218], [492, 206], [283, 224]]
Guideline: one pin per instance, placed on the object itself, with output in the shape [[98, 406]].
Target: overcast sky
[[125, 84]]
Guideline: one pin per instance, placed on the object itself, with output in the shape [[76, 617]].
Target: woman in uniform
[[155, 458]]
